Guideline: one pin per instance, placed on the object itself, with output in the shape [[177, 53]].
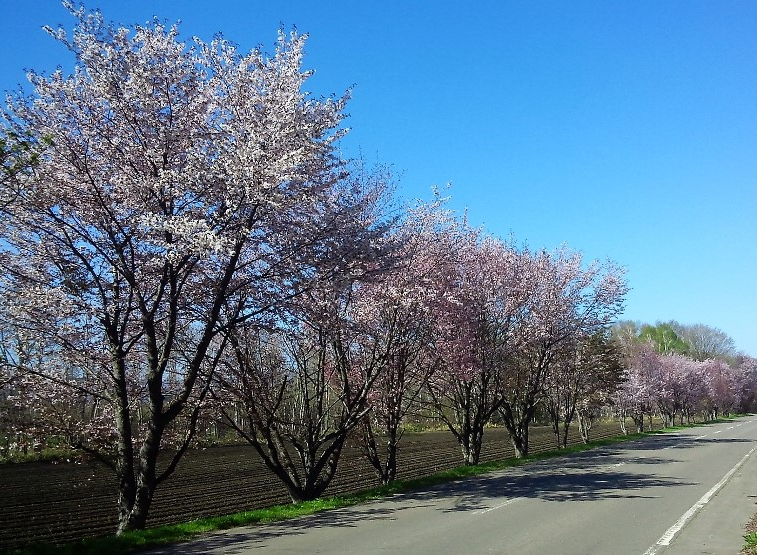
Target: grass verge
[[750, 545], [750, 539], [131, 542]]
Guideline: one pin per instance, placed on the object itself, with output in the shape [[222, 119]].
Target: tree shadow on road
[[667, 441], [242, 540], [590, 485], [579, 477], [473, 494], [665, 446]]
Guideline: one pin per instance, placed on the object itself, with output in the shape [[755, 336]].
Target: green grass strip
[[130, 542], [750, 545]]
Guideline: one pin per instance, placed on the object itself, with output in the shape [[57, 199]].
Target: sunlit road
[[684, 493]]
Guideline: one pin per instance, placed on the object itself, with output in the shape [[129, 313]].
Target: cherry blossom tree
[[672, 394], [566, 302], [299, 395], [746, 380], [582, 379], [722, 389], [694, 390], [635, 398], [178, 188], [304, 387], [401, 310], [516, 309], [302, 381], [469, 352]]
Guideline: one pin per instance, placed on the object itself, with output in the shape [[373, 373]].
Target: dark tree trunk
[[565, 431], [517, 421], [386, 471], [638, 420]]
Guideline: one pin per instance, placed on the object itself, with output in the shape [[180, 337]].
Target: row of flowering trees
[[677, 387], [183, 244]]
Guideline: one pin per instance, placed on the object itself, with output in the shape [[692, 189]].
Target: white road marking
[[700, 437], [503, 504], [671, 533], [717, 432]]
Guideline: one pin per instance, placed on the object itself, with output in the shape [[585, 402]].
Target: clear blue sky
[[627, 130]]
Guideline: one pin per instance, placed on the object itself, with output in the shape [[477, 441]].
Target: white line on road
[[668, 536], [717, 432], [700, 437], [503, 504]]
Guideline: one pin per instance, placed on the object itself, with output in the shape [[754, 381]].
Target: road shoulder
[[719, 527]]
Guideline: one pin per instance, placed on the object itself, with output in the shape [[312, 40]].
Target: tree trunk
[[392, 444], [639, 421], [566, 429], [127, 486], [517, 428], [134, 507], [137, 517], [386, 472], [556, 429], [470, 444], [519, 440], [585, 424], [370, 449]]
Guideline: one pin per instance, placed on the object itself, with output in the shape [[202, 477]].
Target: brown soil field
[[47, 502]]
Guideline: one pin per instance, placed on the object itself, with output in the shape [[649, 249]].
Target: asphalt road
[[688, 492]]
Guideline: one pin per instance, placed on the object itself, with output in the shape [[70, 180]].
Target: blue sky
[[627, 130]]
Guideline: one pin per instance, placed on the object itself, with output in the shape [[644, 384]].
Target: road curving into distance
[[686, 492]]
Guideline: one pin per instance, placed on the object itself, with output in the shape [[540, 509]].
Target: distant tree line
[[679, 371]]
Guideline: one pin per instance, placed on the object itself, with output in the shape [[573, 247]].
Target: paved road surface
[[685, 493]]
